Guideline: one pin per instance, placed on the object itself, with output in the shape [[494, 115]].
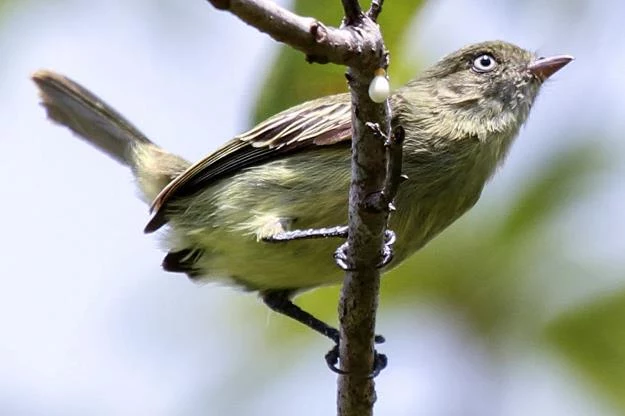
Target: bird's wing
[[322, 122]]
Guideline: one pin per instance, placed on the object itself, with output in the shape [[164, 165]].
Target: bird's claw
[[341, 257], [387, 250], [332, 359], [380, 361]]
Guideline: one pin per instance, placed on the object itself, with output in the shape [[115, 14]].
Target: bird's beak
[[543, 68]]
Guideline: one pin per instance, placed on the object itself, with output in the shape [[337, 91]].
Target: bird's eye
[[484, 63]]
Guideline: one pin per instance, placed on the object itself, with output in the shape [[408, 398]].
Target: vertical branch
[[359, 295]]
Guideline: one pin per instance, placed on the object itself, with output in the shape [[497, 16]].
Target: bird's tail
[[73, 106]]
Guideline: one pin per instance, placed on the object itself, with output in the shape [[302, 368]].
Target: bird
[[292, 171]]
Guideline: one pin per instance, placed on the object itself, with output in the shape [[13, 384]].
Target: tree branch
[[320, 43], [359, 294], [359, 45]]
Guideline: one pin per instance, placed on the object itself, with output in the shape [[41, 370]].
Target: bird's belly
[[236, 255], [242, 211], [259, 265]]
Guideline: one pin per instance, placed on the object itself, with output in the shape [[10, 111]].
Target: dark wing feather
[[322, 122]]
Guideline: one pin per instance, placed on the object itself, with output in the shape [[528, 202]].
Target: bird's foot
[[380, 361], [341, 257]]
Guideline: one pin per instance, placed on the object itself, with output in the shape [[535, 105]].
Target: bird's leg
[[339, 231], [280, 301]]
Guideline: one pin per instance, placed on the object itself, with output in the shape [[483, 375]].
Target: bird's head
[[487, 87]]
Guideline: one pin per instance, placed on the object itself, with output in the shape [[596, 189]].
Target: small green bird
[[293, 171]]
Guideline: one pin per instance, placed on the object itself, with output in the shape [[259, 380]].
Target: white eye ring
[[484, 63]]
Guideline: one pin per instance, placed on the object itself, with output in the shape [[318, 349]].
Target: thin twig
[[375, 9], [394, 177], [353, 12], [383, 200]]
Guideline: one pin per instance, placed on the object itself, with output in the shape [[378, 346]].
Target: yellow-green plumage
[[292, 171]]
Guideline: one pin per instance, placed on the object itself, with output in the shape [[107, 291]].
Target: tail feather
[[73, 106]]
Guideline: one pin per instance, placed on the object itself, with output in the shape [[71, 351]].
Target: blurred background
[[517, 309]]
